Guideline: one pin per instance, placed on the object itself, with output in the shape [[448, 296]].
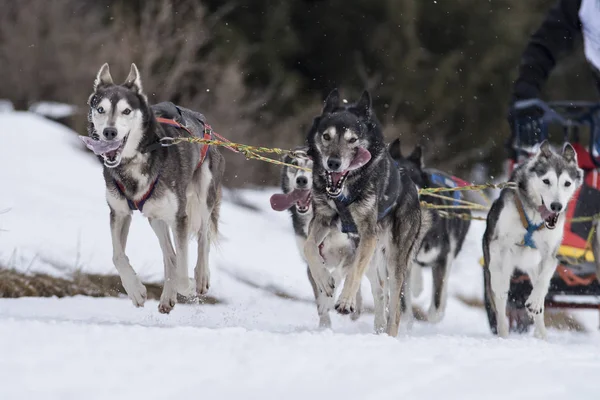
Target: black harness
[[385, 205]]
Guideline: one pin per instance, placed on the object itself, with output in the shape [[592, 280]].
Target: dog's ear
[[394, 149], [417, 156], [103, 77], [331, 102], [362, 108], [545, 149], [569, 154], [134, 81]]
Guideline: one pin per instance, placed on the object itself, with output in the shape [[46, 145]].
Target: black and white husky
[[336, 250], [525, 229], [445, 237], [358, 190], [177, 188]]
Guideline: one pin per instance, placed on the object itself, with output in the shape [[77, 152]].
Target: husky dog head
[[413, 164], [343, 139], [548, 181], [296, 185], [116, 117]]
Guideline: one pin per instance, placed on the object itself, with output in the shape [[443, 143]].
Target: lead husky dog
[[357, 189], [525, 228], [176, 187], [337, 249], [445, 237]]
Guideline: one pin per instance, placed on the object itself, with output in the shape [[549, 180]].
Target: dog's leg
[[202, 271], [408, 318], [323, 303], [396, 276], [535, 302], [377, 289], [359, 301], [346, 303], [440, 271], [317, 232], [168, 297], [119, 229], [500, 273]]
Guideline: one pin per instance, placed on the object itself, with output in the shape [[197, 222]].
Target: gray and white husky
[[445, 237], [358, 190], [336, 250], [525, 228], [177, 188]]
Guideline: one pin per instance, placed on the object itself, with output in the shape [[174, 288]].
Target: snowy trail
[[254, 344], [104, 348]]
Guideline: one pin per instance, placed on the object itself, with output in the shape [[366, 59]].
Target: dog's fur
[[445, 237], [185, 199], [338, 248], [388, 245], [546, 180]]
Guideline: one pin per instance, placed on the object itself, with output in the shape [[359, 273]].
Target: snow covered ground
[[254, 344]]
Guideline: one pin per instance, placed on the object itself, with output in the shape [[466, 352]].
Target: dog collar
[[530, 227], [136, 205]]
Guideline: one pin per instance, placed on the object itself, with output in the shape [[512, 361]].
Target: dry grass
[[14, 284]]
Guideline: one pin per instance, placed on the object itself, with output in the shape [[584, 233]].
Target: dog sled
[[574, 284]]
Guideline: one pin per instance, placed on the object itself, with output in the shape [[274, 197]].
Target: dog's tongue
[[545, 212], [283, 201], [361, 158], [100, 147]]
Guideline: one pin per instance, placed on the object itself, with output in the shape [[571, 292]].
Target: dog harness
[[383, 208], [139, 205], [530, 227]]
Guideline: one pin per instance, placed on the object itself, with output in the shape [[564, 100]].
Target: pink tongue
[[545, 212], [100, 147], [361, 158], [283, 201]]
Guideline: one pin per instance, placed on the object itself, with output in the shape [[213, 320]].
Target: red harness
[[139, 205]]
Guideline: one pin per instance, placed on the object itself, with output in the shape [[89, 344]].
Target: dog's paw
[[534, 307], [345, 305], [203, 282], [325, 283], [135, 289], [540, 332], [434, 315], [168, 299]]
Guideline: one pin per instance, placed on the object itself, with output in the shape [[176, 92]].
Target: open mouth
[[303, 205], [335, 180], [110, 150], [550, 218]]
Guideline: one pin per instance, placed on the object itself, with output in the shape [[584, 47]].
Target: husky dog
[[445, 238], [336, 250], [176, 187], [525, 228], [357, 189]]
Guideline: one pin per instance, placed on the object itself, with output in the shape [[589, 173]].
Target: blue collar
[[530, 227]]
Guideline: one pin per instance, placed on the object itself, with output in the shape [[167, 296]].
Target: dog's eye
[[127, 111], [546, 181], [100, 110], [352, 140], [567, 184], [326, 136]]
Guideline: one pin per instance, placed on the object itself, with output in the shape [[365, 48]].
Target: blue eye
[[100, 110], [127, 111]]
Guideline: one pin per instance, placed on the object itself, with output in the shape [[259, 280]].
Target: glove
[[527, 125]]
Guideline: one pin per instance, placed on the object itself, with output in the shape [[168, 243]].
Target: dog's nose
[[301, 181], [109, 133], [556, 206], [334, 163]]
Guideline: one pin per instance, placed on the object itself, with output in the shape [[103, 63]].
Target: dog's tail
[[426, 223]]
